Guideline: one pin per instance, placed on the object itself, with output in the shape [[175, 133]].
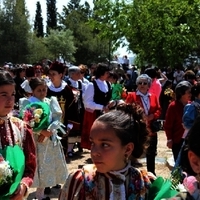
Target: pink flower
[[190, 184]]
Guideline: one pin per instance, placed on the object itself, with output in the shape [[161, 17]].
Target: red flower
[[28, 115]]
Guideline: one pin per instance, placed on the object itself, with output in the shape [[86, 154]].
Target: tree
[[106, 17], [15, 29], [160, 31], [38, 49], [61, 44], [38, 24], [90, 48], [51, 15]]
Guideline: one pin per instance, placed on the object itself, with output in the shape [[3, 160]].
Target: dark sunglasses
[[142, 83]]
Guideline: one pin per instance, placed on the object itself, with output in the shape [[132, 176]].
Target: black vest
[[100, 97]]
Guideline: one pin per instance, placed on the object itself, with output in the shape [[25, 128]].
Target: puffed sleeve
[[23, 102], [30, 156], [55, 109], [72, 188]]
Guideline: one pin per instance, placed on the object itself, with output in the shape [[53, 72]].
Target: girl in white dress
[[51, 164]]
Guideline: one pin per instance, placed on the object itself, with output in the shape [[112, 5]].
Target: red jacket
[[155, 108], [173, 122]]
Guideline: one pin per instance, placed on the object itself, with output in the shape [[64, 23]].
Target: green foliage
[[176, 177], [61, 43], [90, 47], [106, 21], [38, 49], [38, 23], [162, 32], [14, 31]]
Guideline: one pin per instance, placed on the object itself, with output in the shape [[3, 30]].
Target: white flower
[[32, 123], [5, 172]]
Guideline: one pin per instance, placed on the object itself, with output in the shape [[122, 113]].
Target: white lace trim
[[53, 88]]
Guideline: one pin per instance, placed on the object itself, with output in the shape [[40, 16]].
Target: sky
[[31, 6]]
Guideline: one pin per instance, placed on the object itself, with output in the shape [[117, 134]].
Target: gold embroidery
[[1, 121], [62, 105]]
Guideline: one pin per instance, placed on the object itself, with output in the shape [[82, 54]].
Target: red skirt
[[88, 120]]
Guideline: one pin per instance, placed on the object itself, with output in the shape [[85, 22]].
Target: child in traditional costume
[[115, 137], [51, 168], [16, 143]]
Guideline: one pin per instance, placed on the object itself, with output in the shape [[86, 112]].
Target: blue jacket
[[190, 113]]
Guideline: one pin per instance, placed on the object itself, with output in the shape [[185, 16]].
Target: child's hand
[[41, 138], [46, 133], [19, 193]]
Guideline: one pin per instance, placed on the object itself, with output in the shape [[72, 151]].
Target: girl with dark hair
[[58, 88], [51, 164], [114, 137], [14, 132], [173, 125], [30, 73], [96, 99], [19, 79]]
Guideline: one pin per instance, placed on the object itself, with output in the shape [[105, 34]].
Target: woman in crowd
[[192, 110], [38, 71], [19, 79], [96, 101], [150, 104], [156, 86], [51, 168], [114, 137], [83, 70], [57, 87], [167, 95], [173, 125], [13, 132], [30, 73]]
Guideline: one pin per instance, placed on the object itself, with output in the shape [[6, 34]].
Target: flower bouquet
[[12, 164], [6, 174], [37, 115]]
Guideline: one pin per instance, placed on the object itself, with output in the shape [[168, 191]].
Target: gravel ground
[[162, 166]]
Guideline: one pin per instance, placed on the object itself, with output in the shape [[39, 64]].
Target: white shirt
[[88, 96], [85, 81], [25, 85], [178, 76], [145, 101], [75, 84]]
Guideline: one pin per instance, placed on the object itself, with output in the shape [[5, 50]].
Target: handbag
[[155, 126]]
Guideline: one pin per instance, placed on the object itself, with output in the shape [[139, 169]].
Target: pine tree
[[38, 24], [51, 15]]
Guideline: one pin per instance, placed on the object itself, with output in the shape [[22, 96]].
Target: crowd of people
[[115, 111]]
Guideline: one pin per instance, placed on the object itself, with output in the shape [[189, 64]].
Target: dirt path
[[161, 166]]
